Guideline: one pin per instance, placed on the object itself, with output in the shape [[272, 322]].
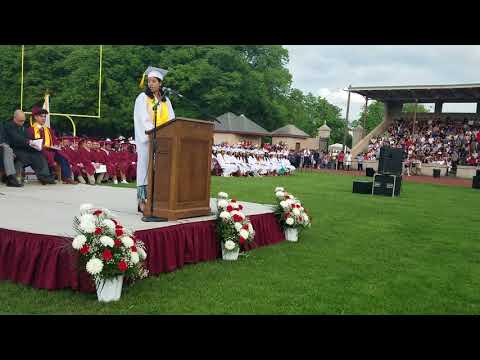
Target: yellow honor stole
[[162, 111], [46, 131]]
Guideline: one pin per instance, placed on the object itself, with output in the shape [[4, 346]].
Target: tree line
[[244, 79]]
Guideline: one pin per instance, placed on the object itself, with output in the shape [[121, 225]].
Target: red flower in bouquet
[[107, 255], [119, 231], [133, 248], [245, 226], [229, 208], [85, 249], [117, 242], [97, 212], [237, 218], [241, 240], [122, 265], [98, 231], [240, 207], [287, 215]]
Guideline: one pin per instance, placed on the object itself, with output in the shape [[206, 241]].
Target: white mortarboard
[[153, 72]]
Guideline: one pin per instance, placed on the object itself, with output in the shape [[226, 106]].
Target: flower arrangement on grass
[[290, 212], [106, 248], [233, 228]]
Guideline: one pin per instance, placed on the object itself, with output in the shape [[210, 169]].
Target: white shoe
[[124, 182], [115, 181]]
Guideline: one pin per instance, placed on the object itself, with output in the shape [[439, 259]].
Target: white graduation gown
[[143, 122]]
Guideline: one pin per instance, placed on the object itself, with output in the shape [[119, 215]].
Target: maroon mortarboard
[[37, 110]]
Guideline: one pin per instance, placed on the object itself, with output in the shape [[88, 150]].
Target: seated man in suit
[[50, 150], [7, 161], [25, 150]]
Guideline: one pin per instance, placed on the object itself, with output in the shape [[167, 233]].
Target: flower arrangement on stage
[[107, 249], [290, 212], [233, 228]]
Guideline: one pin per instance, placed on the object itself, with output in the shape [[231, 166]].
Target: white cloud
[[339, 97], [325, 70]]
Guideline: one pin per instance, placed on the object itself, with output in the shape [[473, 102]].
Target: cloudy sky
[[324, 70]]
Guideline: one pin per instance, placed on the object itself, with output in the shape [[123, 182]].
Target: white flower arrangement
[[135, 258], [225, 215], [222, 195], [222, 203], [87, 227], [85, 208], [109, 224], [107, 241], [277, 189], [106, 248], [87, 218], [94, 266], [141, 253], [127, 241], [289, 211], [232, 226], [230, 245], [79, 241]]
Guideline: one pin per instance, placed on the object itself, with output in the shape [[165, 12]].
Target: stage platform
[[30, 208], [36, 231]]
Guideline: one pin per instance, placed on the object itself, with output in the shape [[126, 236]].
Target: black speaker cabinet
[[436, 173], [390, 161], [386, 185], [362, 187], [476, 182], [369, 172], [478, 172]]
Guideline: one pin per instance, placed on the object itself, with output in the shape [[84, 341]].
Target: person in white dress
[[348, 161], [150, 105]]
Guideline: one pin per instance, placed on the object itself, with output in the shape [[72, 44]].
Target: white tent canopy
[[337, 148]]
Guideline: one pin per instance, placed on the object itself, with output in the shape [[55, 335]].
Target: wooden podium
[[182, 169]]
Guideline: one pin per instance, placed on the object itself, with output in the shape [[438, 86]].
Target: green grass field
[[416, 254]]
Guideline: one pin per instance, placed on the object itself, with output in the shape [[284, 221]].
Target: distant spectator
[[360, 162]]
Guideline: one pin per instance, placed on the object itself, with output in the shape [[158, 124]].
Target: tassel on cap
[[142, 82]]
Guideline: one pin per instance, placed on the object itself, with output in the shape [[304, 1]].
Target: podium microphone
[[166, 90], [205, 113]]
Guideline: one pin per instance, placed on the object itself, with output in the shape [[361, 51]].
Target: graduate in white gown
[[143, 115], [227, 168], [253, 163]]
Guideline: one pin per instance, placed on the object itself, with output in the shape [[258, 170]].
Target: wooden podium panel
[[182, 169]]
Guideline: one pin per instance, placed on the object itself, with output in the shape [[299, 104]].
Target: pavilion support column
[[346, 123], [438, 107], [366, 112], [478, 107], [414, 116]]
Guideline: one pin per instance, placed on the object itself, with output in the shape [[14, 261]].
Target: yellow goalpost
[[69, 116]]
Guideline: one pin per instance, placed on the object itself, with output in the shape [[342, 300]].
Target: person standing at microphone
[[149, 103]]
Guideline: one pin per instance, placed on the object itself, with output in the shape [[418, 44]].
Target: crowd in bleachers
[[447, 142]]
